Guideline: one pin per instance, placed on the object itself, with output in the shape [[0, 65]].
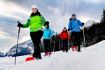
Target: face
[[73, 17], [34, 10], [64, 29]]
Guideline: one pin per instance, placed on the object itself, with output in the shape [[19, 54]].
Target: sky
[[57, 12]]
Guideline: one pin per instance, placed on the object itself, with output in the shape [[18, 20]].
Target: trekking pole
[[17, 42]]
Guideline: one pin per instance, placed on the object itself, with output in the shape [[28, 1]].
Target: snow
[[91, 58]]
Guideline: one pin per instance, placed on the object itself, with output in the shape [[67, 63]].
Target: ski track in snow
[[92, 58]]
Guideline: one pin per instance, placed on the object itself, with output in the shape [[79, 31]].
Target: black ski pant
[[65, 45], [75, 37], [47, 45], [36, 39]]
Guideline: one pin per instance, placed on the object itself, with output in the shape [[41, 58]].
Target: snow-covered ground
[[92, 58]]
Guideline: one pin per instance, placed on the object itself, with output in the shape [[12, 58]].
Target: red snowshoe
[[74, 48], [30, 58]]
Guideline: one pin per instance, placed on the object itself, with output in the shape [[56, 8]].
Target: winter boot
[[50, 53], [46, 53]]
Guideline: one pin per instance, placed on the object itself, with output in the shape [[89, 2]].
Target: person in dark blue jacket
[[46, 38], [74, 28]]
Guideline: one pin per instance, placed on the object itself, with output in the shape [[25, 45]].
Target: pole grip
[[19, 27], [19, 30]]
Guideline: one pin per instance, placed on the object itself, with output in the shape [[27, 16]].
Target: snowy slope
[[91, 58]]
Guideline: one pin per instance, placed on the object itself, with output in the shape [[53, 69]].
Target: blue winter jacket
[[47, 33], [74, 25]]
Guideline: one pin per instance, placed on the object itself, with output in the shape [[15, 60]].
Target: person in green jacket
[[36, 23]]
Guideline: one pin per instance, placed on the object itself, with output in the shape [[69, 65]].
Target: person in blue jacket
[[46, 38], [74, 27]]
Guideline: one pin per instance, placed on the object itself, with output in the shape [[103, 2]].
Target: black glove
[[82, 24], [19, 24], [70, 19]]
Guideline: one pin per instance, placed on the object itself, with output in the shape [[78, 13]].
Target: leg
[[39, 36], [63, 45], [33, 35], [49, 45], [45, 45], [36, 36], [66, 45], [78, 41], [74, 39]]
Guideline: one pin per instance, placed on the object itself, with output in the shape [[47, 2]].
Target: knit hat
[[34, 6]]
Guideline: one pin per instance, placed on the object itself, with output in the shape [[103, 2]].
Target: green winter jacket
[[35, 23]]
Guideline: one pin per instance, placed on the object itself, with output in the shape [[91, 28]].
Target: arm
[[43, 20], [51, 33], [80, 23], [27, 23], [69, 26]]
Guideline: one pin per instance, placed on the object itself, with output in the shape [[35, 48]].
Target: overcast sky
[[57, 12]]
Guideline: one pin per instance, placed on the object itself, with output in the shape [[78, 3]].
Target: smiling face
[[34, 10]]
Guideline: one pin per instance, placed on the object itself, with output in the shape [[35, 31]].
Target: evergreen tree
[[102, 24], [103, 17]]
